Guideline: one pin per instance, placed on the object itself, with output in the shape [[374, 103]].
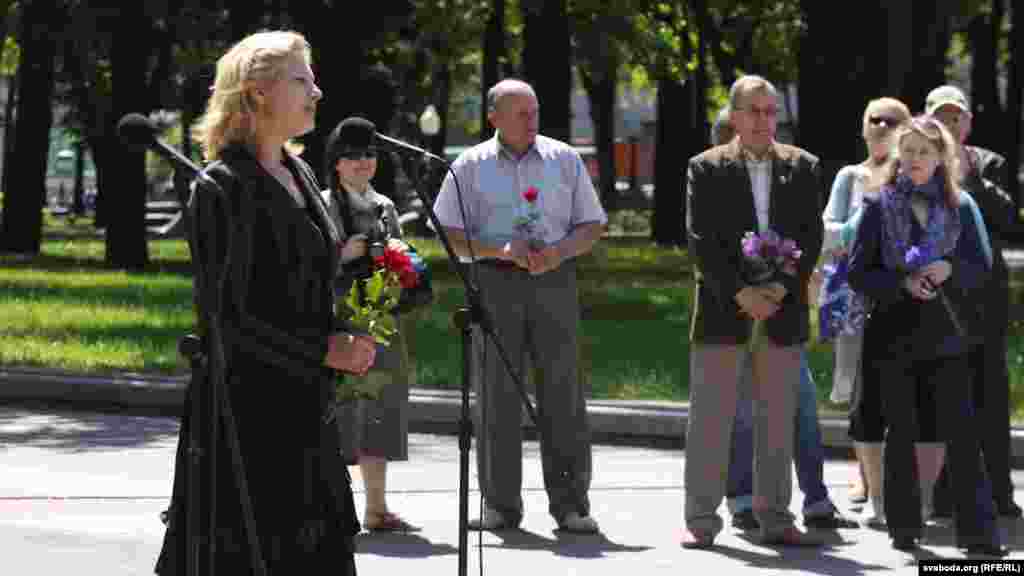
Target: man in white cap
[[983, 174]]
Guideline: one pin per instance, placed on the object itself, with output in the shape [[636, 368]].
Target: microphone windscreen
[[136, 130]]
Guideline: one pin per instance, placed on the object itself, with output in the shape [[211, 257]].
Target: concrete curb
[[611, 421]]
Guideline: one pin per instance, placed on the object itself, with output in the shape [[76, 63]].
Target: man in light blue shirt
[[527, 210]]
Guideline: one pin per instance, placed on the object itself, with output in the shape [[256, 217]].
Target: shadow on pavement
[[82, 432], [941, 533], [563, 544], [803, 560], [400, 545], [1013, 532]]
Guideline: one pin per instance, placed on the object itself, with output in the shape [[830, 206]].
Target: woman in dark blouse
[[920, 256], [269, 237], [373, 431]]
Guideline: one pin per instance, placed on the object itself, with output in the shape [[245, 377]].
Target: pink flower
[[531, 194]]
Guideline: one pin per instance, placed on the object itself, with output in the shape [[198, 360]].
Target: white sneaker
[[573, 522]]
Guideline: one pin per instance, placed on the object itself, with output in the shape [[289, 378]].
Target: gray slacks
[[536, 319], [714, 385]]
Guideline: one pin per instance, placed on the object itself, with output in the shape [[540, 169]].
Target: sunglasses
[[882, 121], [358, 154]]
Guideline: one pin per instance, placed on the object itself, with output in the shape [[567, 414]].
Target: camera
[[377, 238]]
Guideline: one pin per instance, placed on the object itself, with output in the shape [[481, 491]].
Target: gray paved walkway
[[80, 494]]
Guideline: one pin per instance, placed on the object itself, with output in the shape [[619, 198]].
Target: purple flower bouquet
[[765, 256]]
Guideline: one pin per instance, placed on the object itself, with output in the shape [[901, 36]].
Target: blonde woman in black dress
[[282, 343]]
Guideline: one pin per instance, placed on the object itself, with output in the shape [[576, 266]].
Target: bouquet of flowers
[[840, 309], [370, 305], [529, 224], [767, 255]]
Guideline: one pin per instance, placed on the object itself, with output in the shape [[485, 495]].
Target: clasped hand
[[534, 261], [354, 247], [761, 302], [352, 354], [920, 284]]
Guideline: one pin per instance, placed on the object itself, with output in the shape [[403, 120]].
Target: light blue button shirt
[[493, 180]]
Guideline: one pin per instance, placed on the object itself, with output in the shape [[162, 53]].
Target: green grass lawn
[[64, 309]]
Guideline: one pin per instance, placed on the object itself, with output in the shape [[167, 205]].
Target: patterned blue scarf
[[940, 235]]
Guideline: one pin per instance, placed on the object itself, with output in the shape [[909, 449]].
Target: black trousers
[[990, 389], [930, 401]]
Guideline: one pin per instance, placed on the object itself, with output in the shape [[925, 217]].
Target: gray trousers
[[536, 319], [714, 384]]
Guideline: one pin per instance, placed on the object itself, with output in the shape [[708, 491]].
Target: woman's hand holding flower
[[352, 354], [354, 247]]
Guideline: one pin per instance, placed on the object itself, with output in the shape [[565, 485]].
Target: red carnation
[[408, 278], [531, 194], [394, 260]]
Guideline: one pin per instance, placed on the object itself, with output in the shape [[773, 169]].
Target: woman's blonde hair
[[882, 117], [256, 60], [932, 130]]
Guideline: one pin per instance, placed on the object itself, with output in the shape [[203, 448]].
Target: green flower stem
[[756, 335]]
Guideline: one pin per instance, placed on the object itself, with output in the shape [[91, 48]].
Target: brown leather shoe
[[696, 540], [791, 537]]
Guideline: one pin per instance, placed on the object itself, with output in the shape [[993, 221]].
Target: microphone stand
[[465, 318]]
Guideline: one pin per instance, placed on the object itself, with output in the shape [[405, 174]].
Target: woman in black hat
[[372, 431]]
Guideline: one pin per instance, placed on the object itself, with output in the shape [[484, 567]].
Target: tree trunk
[[600, 84], [78, 208], [23, 202], [547, 63], [337, 45], [246, 17], [699, 81], [983, 32], [494, 53], [10, 123], [1014, 93], [125, 213], [816, 64], [669, 164], [931, 26], [824, 111], [195, 92], [444, 92], [379, 102]]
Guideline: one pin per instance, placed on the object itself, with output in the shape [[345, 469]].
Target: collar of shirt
[[756, 161], [511, 154]]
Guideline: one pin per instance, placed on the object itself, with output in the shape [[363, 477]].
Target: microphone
[[408, 147], [139, 131]]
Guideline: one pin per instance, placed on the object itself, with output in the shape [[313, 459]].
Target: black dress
[[277, 304]]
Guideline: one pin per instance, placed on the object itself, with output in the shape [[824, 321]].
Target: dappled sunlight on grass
[[139, 354], [94, 320], [66, 309]]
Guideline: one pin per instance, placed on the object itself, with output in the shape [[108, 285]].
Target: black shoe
[[1008, 509], [987, 550], [830, 522], [904, 543], [745, 521]]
